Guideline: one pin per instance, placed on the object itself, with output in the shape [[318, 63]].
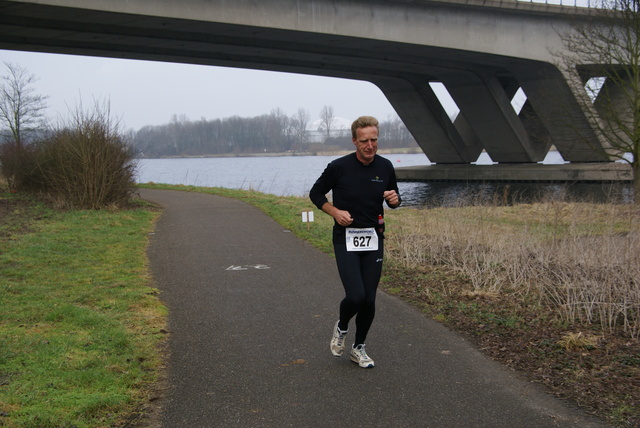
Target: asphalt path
[[251, 311]]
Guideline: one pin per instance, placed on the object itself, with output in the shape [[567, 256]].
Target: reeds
[[581, 258]]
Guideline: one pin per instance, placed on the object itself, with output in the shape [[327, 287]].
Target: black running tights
[[360, 273]]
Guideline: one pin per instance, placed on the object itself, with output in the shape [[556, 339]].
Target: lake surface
[[279, 175], [294, 176]]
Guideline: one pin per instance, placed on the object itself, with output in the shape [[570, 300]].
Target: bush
[[17, 165], [86, 165]]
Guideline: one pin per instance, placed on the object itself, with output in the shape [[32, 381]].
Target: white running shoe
[[337, 341], [358, 355]]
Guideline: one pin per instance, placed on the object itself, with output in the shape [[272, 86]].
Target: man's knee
[[356, 300]]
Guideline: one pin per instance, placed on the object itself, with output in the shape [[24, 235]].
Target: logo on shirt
[[377, 179]]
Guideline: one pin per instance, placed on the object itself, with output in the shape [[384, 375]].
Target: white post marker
[[307, 217]]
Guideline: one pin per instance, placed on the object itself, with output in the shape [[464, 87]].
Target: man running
[[360, 182]]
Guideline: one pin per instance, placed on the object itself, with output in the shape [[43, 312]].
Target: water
[[279, 175], [294, 176]]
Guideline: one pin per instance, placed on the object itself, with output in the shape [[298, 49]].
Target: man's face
[[366, 143]]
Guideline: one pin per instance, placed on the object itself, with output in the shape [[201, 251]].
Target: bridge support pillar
[[426, 119], [484, 103], [557, 110], [612, 103]]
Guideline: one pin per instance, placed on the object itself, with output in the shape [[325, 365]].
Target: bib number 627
[[361, 239]]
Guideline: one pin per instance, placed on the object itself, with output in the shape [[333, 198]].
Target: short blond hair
[[363, 122]]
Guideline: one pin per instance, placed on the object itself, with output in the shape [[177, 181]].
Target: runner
[[360, 182]]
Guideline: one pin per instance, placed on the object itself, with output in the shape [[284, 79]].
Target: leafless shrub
[[597, 279], [85, 163], [589, 270], [17, 165]]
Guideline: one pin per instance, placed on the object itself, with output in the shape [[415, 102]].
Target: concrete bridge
[[483, 51]]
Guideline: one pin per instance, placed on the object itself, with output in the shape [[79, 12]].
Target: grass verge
[[79, 324]]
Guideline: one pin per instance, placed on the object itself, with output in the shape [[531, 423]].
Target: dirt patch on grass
[[17, 215], [5, 209], [598, 372]]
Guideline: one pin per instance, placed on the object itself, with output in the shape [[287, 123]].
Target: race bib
[[361, 239]]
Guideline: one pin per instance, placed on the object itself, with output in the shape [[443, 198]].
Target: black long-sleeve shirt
[[357, 188]]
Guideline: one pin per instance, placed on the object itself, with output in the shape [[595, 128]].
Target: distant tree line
[[269, 133], [22, 121]]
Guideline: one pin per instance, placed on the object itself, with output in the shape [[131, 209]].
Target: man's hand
[[392, 198], [343, 217]]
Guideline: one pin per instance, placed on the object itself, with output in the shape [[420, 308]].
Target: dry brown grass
[[582, 258], [548, 289], [578, 341]]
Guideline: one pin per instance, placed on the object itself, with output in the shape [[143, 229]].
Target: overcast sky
[[150, 93]]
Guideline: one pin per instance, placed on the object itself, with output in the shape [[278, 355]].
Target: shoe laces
[[362, 352]]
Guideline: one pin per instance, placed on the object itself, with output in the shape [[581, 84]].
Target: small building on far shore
[[340, 128]]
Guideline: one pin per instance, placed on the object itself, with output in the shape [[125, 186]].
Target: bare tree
[[603, 56], [326, 121], [21, 110], [300, 123]]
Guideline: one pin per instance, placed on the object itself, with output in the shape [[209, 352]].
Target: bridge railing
[[574, 3]]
